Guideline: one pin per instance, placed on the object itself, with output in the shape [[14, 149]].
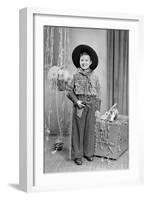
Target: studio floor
[[60, 161]]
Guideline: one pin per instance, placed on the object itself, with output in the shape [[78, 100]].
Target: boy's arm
[[70, 92], [72, 97], [98, 104], [98, 95]]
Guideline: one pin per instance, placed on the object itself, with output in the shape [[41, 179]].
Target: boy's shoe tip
[[89, 158], [78, 161]]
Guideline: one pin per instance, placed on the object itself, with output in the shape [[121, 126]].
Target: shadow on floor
[[15, 186]]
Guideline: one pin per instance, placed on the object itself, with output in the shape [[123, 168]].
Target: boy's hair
[[85, 53]]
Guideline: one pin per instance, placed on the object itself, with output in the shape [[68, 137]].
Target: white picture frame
[[31, 143]]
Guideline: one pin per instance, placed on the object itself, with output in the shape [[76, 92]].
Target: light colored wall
[[96, 38]]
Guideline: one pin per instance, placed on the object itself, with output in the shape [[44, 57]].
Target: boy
[[84, 92]]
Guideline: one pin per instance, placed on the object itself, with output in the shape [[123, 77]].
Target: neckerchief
[[85, 72]]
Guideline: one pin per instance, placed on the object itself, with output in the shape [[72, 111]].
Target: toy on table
[[111, 115]]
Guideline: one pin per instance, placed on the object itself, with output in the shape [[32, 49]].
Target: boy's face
[[85, 61]]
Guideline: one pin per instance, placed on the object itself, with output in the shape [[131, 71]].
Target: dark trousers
[[83, 129]]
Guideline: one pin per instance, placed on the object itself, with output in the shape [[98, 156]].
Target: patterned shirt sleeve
[[98, 88], [70, 91], [98, 94], [71, 84]]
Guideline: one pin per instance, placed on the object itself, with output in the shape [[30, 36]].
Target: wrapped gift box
[[111, 137]]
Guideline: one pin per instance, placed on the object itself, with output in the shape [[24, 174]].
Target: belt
[[86, 98]]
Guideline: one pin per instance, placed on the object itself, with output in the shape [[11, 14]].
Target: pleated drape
[[118, 69]]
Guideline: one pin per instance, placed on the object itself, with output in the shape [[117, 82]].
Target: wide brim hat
[[87, 49]]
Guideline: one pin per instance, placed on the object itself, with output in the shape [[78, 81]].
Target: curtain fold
[[56, 55], [118, 69]]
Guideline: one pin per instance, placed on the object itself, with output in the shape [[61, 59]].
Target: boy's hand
[[80, 104], [97, 115]]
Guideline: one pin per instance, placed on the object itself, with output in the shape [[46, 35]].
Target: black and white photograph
[[74, 125], [85, 99]]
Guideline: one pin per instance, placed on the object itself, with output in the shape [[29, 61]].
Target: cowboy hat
[[87, 49]]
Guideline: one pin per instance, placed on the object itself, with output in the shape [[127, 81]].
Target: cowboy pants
[[83, 129]]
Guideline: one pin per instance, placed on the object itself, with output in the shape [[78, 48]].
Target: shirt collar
[[84, 72]]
